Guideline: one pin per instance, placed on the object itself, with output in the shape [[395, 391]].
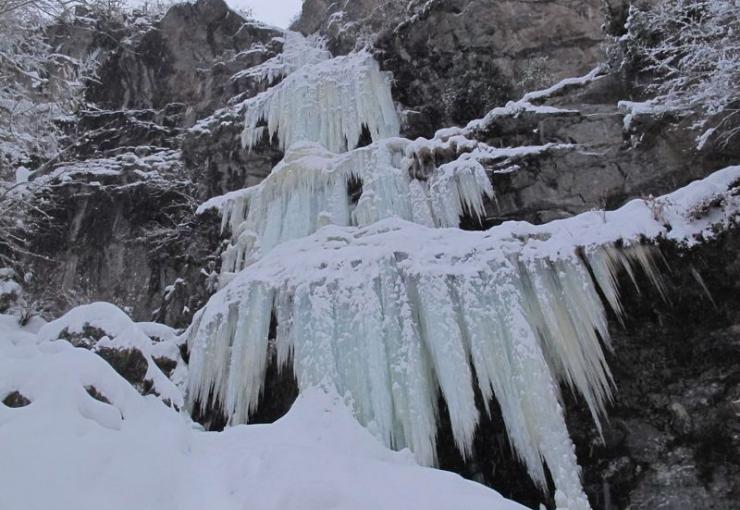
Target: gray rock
[[188, 57], [15, 399]]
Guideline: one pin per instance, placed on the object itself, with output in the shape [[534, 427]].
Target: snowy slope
[[67, 450]]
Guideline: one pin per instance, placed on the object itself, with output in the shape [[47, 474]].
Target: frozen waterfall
[[387, 314], [329, 103], [310, 188], [298, 51], [377, 296]]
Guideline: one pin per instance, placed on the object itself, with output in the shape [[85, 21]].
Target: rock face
[[123, 237], [444, 51], [220, 164], [598, 155], [188, 58], [673, 439], [118, 224]]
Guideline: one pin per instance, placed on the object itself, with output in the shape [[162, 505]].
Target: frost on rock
[[389, 313], [329, 103], [312, 187]]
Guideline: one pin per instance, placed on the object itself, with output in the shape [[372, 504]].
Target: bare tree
[[39, 88]]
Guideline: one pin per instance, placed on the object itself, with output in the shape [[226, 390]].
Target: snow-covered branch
[[691, 49]]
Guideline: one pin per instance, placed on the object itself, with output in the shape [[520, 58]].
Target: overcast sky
[[275, 12]]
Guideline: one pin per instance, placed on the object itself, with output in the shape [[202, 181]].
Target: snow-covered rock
[[140, 353]]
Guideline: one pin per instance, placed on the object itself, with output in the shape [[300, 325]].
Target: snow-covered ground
[[69, 451]]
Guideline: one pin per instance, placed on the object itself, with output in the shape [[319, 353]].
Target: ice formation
[[363, 313], [311, 187], [379, 300], [329, 103], [113, 448], [388, 313]]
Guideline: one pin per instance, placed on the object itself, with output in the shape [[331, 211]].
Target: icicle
[[458, 187], [329, 103], [308, 189], [571, 320], [414, 400], [248, 361], [644, 256]]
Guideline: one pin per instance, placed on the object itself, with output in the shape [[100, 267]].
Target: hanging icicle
[[309, 189], [362, 314], [328, 103]]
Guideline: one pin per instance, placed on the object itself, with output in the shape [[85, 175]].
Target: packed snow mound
[[389, 313], [72, 447], [102, 316], [105, 326], [328, 103]]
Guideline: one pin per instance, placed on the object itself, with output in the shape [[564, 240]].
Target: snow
[[151, 166], [298, 51], [526, 105], [327, 103], [9, 287], [639, 109], [122, 333], [69, 450], [565, 84], [388, 313], [512, 109], [703, 138]]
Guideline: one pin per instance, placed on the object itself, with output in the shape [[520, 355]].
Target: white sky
[[275, 12]]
